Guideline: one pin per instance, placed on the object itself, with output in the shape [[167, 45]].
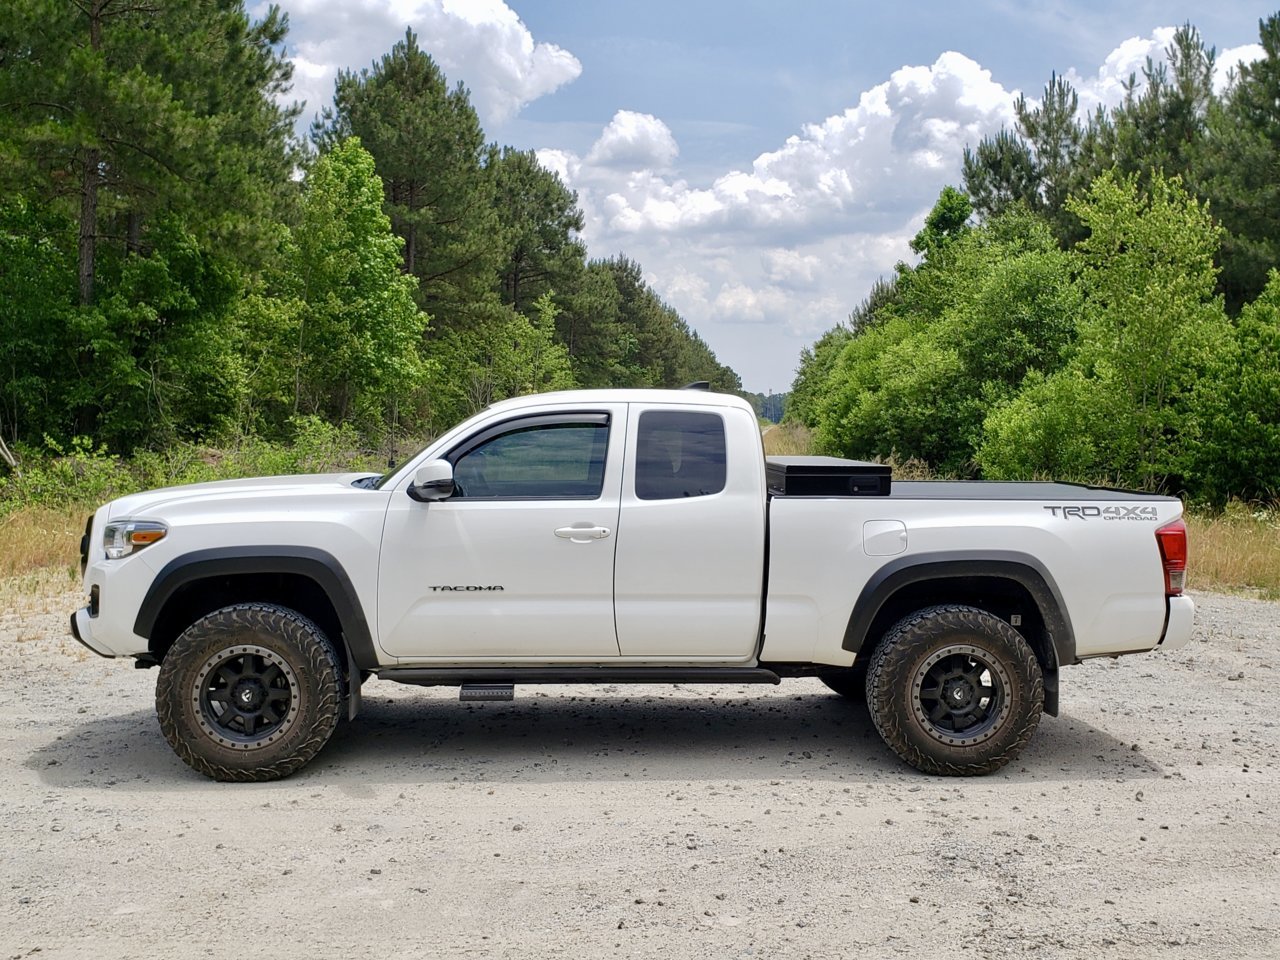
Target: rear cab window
[[679, 453]]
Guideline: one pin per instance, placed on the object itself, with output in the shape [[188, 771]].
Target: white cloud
[[1230, 60], [901, 140], [634, 141], [480, 42]]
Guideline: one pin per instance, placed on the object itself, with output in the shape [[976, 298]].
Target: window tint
[[679, 454], [561, 461]]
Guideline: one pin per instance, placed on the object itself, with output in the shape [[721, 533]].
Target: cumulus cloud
[[874, 159], [480, 42], [634, 141], [1229, 62]]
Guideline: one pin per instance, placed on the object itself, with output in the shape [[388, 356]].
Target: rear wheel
[[249, 692], [955, 690]]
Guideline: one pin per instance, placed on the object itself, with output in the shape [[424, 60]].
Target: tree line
[[1100, 302], [175, 265]]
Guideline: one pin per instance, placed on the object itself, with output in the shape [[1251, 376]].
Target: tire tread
[[321, 662]]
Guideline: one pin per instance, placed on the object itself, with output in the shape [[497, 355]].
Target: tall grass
[[788, 440], [40, 538], [1237, 550]]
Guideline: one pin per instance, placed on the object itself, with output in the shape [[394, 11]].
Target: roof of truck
[[688, 397]]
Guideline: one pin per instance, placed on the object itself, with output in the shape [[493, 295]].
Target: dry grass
[[1235, 552], [788, 440], [42, 538]]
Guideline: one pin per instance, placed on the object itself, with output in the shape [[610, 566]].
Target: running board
[[457, 676]]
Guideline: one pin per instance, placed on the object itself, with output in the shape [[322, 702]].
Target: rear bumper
[[1178, 624], [82, 630]]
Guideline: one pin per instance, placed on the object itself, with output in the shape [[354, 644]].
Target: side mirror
[[432, 481]]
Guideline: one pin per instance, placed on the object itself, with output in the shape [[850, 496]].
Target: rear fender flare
[[1021, 568]]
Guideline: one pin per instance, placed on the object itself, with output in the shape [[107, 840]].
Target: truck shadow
[[640, 734]]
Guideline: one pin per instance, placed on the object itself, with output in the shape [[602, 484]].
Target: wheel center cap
[[958, 693], [248, 696]]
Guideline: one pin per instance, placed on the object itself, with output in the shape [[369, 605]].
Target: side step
[[499, 677], [487, 691]]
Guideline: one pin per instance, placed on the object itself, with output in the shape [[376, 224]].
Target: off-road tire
[[851, 683], [910, 680], [305, 678]]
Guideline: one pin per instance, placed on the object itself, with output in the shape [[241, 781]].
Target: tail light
[[1172, 538]]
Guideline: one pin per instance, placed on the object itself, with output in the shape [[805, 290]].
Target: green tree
[[589, 326], [813, 375], [1039, 165], [1241, 175], [437, 173], [1151, 328], [1163, 126], [962, 333], [540, 222], [358, 330], [1238, 452], [133, 111], [37, 289]]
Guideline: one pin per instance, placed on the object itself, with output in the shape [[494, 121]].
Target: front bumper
[[1178, 624], [82, 630]]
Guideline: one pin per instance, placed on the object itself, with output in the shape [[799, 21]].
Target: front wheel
[[249, 692], [955, 690]]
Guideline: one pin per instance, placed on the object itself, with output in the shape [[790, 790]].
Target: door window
[[536, 458], [679, 454]]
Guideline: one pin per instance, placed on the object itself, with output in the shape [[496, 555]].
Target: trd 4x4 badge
[[1120, 512]]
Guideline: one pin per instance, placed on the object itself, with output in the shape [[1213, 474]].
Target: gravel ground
[[648, 821]]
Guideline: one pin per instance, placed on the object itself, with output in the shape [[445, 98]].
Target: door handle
[[582, 533]]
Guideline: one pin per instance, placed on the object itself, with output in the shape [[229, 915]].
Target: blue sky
[[764, 162]]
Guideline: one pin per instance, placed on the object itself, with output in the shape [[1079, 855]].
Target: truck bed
[[1009, 490]]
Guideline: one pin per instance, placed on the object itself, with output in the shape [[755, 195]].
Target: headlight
[[122, 537]]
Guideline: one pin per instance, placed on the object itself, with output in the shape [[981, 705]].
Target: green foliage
[[1241, 175], [438, 175], [357, 331], [814, 374], [54, 475], [80, 472], [518, 355], [1037, 167], [128, 113], [962, 331], [539, 218], [1152, 326], [37, 287], [945, 222], [1151, 330], [1239, 451], [168, 280]]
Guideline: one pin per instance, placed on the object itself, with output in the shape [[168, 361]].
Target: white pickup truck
[[623, 536]]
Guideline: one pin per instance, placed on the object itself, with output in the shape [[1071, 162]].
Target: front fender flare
[[315, 564]]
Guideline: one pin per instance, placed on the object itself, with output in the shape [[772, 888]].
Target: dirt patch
[[648, 821]]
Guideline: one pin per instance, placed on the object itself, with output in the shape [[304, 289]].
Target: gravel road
[[692, 822]]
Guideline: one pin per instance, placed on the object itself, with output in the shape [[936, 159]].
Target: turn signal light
[[122, 537]]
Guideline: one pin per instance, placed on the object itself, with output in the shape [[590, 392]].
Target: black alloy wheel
[[955, 690], [249, 692]]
